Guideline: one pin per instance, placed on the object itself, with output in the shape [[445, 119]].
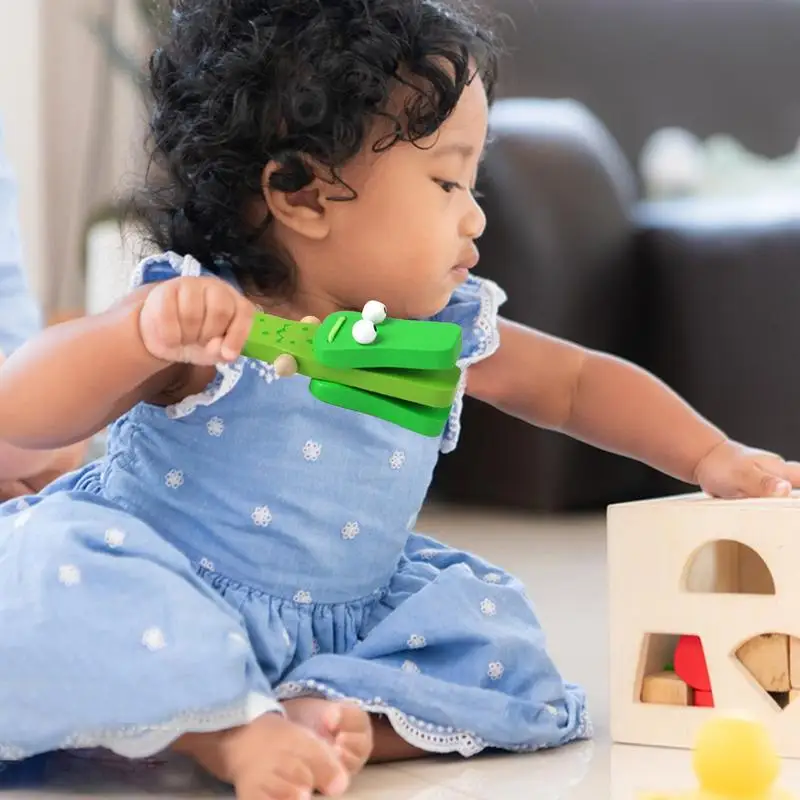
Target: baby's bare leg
[[271, 758], [359, 738], [389, 745]]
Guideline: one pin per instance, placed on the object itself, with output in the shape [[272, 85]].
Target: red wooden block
[[705, 699], [690, 663]]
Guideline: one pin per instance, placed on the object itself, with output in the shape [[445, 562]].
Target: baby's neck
[[299, 306]]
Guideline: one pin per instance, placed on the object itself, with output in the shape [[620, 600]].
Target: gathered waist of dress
[[304, 565], [280, 570]]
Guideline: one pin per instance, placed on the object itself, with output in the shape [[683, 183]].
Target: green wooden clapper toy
[[407, 375]]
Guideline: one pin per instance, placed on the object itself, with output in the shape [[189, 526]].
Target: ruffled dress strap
[[474, 306]]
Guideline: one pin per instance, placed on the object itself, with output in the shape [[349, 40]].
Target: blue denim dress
[[251, 544]]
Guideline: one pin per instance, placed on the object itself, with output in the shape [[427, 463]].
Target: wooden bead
[[310, 320], [285, 366]]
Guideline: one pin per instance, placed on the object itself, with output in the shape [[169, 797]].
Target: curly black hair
[[236, 84]]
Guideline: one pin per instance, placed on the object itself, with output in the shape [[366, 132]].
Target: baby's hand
[[198, 321], [731, 470]]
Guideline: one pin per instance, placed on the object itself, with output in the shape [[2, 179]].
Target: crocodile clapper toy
[[406, 374]]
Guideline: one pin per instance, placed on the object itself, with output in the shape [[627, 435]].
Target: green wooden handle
[[413, 361]]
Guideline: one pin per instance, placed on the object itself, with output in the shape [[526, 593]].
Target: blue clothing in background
[[19, 315]]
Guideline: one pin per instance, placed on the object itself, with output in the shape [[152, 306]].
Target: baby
[[239, 577]]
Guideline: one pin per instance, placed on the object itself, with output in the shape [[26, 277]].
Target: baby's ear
[[296, 197]]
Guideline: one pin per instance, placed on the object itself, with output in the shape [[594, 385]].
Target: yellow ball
[[734, 756]]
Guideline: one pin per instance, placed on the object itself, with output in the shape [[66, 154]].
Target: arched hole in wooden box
[[725, 566]]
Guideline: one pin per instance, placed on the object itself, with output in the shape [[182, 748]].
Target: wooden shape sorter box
[[704, 605]]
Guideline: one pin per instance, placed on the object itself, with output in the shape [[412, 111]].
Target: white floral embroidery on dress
[[69, 575], [416, 642], [427, 553], [312, 451], [153, 639], [115, 538], [262, 516], [314, 647], [410, 666], [206, 563], [351, 530], [488, 607], [492, 577], [215, 426], [174, 479], [397, 459], [303, 597], [22, 517], [496, 670]]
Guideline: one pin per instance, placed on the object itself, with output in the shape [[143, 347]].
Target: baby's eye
[[448, 186]]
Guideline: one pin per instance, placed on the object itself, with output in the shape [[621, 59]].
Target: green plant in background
[[154, 17]]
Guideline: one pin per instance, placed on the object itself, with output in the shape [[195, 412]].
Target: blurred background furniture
[[705, 293]]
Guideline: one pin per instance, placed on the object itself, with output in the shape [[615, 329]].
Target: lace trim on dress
[[418, 733], [488, 338]]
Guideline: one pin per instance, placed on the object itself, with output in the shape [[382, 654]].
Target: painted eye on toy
[[364, 332], [375, 312]]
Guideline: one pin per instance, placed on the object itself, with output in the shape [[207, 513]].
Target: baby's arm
[[597, 398], [20, 465], [73, 379], [17, 465]]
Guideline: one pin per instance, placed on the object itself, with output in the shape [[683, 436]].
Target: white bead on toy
[[364, 332], [375, 312]]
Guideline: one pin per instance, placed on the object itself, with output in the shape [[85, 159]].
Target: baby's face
[[408, 239]]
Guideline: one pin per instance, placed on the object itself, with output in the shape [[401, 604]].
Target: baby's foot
[[344, 724], [272, 758]]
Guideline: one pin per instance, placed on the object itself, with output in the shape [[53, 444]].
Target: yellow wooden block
[[666, 689]]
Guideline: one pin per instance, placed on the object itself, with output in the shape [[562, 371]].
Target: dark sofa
[[706, 294]]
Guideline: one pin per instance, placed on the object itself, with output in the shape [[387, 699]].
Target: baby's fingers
[[330, 777], [238, 330], [758, 481], [791, 473]]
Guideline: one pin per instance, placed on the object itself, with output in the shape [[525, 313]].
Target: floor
[[562, 561]]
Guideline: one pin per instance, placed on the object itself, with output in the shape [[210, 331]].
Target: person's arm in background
[[20, 470]]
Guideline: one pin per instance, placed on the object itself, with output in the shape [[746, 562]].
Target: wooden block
[[794, 662], [666, 689], [704, 699], [766, 657]]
